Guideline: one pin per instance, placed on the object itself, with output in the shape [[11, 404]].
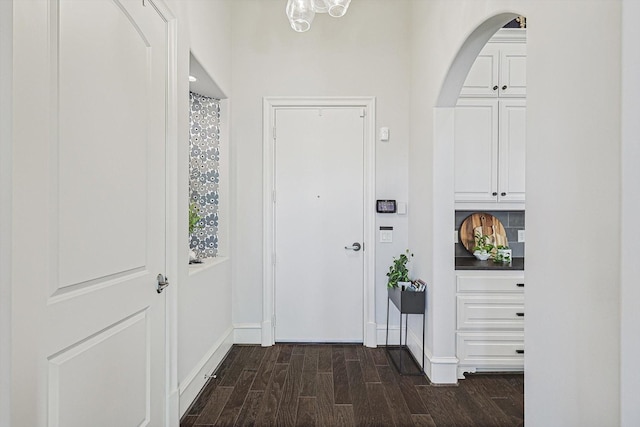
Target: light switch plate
[[386, 236], [521, 236], [384, 134]]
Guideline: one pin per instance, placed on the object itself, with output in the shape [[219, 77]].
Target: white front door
[[319, 193], [90, 84]]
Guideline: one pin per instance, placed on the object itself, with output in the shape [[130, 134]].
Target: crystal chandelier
[[302, 12]]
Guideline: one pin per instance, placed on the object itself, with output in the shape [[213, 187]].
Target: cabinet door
[[482, 80], [476, 145], [511, 152], [513, 70]]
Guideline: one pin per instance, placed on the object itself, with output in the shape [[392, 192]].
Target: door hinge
[[273, 320], [363, 113], [274, 133], [273, 258]]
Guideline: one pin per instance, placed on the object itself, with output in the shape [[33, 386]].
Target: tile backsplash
[[512, 222]]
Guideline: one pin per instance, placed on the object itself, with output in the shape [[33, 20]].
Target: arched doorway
[[443, 180]]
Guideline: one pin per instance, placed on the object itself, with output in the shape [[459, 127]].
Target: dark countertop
[[468, 263]]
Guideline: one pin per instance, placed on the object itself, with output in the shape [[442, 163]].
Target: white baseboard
[[371, 335], [440, 370], [267, 334], [394, 334], [173, 410], [247, 333], [195, 381]]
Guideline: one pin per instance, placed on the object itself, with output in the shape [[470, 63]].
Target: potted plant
[[398, 272], [482, 249], [503, 254], [413, 300], [194, 220]]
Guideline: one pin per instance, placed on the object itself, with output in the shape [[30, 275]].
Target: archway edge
[[466, 55]]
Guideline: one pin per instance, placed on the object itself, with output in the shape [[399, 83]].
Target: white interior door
[[319, 181], [89, 208]]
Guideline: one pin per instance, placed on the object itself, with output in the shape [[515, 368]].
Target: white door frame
[[6, 121], [173, 246], [270, 105]]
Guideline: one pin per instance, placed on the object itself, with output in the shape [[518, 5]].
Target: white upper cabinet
[[511, 149], [476, 150], [500, 68], [483, 79], [513, 71], [490, 123], [489, 149]]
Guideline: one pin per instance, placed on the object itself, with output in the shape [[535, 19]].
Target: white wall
[[6, 76], [209, 26], [630, 292], [573, 180], [365, 53], [203, 294]]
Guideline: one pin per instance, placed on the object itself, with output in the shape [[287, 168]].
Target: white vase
[[503, 255]]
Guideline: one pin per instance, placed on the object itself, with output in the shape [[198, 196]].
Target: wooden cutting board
[[487, 225]]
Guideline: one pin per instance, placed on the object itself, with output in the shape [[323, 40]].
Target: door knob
[[504, 87], [163, 282], [495, 88], [354, 247]]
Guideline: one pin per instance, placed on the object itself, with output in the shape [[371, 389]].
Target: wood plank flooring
[[346, 385]]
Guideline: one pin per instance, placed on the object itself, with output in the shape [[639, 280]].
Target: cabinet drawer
[[491, 349], [490, 312], [487, 283]]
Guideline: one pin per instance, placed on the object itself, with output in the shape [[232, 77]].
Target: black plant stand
[[407, 302]]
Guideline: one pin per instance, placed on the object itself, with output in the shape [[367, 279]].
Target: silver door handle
[[163, 282], [354, 247]]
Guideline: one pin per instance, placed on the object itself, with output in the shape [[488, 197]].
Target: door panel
[[109, 155], [513, 136], [513, 70], [319, 183], [91, 200], [476, 150], [101, 359], [483, 75]]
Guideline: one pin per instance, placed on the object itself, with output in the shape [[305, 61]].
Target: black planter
[[408, 302]]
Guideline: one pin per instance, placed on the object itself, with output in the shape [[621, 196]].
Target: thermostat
[[386, 206]]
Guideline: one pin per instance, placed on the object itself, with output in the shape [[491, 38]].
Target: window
[[204, 172]]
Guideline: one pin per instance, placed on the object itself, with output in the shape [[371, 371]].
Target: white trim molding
[[247, 333], [270, 105], [6, 192], [440, 370], [195, 381]]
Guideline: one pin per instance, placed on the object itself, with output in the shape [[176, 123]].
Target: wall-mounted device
[[386, 206]]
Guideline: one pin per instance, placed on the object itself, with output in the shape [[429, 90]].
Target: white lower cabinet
[[489, 321]]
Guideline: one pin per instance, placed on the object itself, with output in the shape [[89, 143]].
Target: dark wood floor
[[346, 385]]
